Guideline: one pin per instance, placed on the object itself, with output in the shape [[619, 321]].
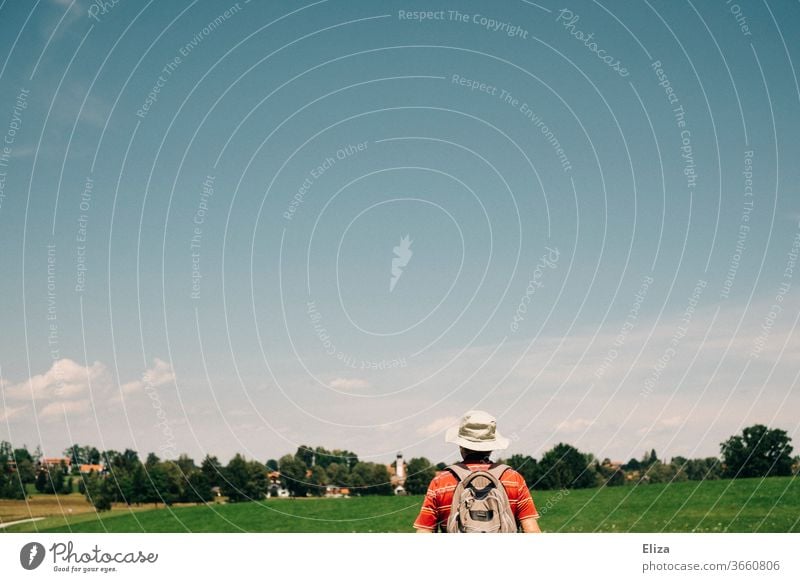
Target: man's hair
[[470, 455]]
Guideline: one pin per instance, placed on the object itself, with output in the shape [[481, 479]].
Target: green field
[[744, 505]]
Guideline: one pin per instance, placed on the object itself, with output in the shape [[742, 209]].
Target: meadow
[[743, 505]]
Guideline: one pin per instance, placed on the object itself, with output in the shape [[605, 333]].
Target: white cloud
[[349, 384], [69, 387], [9, 412], [438, 425], [574, 425], [65, 379], [160, 374], [59, 409]]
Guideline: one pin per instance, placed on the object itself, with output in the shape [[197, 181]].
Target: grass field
[[744, 505]]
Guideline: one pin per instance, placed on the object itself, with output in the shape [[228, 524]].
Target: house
[[336, 491], [88, 468], [275, 489], [55, 463]]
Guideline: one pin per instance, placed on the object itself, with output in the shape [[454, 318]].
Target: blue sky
[[589, 261]]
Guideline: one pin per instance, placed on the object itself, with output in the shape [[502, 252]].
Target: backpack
[[480, 502]]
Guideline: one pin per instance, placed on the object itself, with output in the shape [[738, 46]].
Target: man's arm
[[530, 525], [428, 517]]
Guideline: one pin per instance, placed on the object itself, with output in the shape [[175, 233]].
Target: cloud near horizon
[[72, 388]]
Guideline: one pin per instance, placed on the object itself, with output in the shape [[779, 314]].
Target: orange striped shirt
[[436, 507]]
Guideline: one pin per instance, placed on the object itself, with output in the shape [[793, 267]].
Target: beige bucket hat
[[477, 431]]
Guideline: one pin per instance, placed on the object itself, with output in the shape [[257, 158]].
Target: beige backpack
[[480, 502]]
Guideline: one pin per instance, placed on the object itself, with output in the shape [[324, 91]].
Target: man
[[477, 437]]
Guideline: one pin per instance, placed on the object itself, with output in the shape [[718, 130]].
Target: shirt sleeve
[[525, 506], [429, 513]]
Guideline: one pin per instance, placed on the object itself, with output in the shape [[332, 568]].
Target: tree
[[344, 457], [272, 465], [610, 475], [213, 471], [42, 480], [128, 460], [26, 471], [99, 491], [420, 474], [632, 465], [371, 479], [338, 474], [565, 467], [77, 455], [151, 460], [660, 472], [759, 452], [293, 475], [139, 486], [244, 480], [649, 458], [318, 480], [165, 482], [11, 485], [198, 489], [526, 466], [704, 469], [305, 454], [109, 457], [186, 464], [92, 456]]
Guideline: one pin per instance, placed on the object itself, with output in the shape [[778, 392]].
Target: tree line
[[310, 471]]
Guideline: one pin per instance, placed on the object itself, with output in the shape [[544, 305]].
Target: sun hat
[[477, 431]]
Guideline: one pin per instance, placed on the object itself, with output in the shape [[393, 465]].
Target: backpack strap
[[460, 470], [497, 470]]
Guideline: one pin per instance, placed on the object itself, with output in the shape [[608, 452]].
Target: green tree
[[565, 467], [709, 469], [660, 472], [758, 452], [213, 471], [293, 475], [371, 479], [11, 486], [526, 466], [42, 480], [92, 456], [632, 465], [198, 489], [420, 473], [77, 455], [338, 474], [165, 482], [26, 471], [100, 491], [610, 475], [318, 480], [139, 486], [186, 464], [244, 480], [305, 454]]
